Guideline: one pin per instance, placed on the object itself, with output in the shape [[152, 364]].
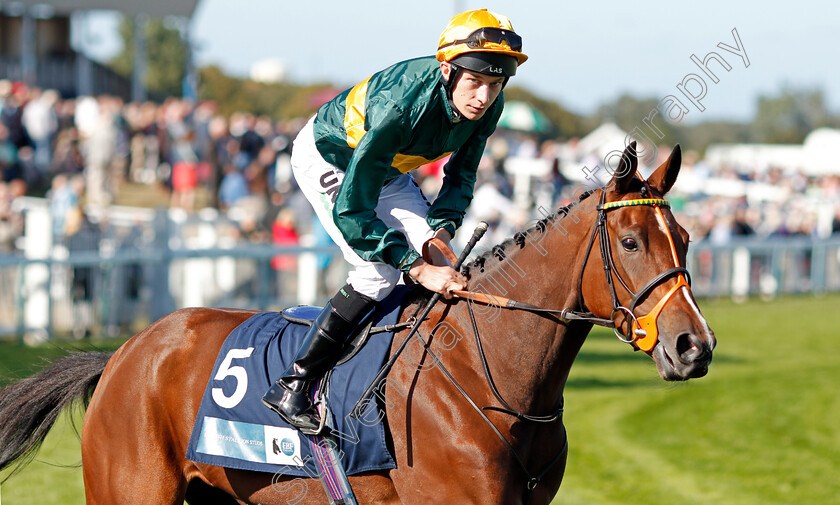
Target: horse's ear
[[626, 169], [664, 177]]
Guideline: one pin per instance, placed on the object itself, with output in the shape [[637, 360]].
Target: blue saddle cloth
[[233, 429]]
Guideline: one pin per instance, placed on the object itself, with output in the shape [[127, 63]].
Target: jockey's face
[[473, 93]]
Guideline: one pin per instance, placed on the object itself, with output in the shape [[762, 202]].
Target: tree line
[[785, 117]]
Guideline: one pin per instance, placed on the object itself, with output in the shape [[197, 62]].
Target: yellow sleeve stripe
[[354, 113]]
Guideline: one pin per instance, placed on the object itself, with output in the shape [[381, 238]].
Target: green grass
[[761, 428]]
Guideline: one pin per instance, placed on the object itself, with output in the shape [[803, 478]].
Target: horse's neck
[[529, 355]]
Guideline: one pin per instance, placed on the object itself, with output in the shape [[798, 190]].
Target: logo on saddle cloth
[[250, 442], [286, 446]]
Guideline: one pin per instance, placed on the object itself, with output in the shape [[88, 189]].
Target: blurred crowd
[[767, 203], [80, 153], [716, 204], [722, 204]]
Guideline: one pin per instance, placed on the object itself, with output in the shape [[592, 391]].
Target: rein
[[507, 303], [644, 330], [436, 247]]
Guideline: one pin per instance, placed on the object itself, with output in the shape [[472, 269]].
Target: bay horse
[[474, 408]]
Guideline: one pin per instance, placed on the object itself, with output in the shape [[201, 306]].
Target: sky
[[581, 54]]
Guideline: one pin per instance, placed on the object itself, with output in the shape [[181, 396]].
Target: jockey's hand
[[441, 280]]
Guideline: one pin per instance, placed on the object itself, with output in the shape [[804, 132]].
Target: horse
[[474, 406]]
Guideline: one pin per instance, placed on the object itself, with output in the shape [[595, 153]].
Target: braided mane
[[500, 251]]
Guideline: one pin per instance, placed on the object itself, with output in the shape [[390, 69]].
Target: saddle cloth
[[233, 429]]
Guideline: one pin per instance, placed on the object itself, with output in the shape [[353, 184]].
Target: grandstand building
[[40, 45]]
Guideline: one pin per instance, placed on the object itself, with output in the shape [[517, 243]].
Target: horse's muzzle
[[688, 359]]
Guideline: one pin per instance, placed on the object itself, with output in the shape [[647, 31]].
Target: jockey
[[352, 162]]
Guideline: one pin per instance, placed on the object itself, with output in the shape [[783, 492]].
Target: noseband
[[643, 329]]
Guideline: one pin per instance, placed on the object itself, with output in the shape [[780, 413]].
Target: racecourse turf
[[763, 428]]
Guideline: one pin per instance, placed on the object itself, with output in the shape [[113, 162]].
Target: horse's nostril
[[683, 344], [692, 350], [689, 348]]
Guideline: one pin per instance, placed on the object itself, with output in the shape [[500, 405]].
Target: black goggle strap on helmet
[[482, 36]]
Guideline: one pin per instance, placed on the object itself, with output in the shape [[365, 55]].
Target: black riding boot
[[290, 395]]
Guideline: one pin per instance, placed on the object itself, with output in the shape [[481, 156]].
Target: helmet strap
[[449, 86]]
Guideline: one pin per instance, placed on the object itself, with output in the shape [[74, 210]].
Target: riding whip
[[359, 408]]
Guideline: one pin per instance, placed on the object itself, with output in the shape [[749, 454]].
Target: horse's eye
[[629, 244]]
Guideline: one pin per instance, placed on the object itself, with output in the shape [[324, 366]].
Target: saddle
[[233, 429]]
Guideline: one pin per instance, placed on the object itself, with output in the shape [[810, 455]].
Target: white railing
[[149, 263]]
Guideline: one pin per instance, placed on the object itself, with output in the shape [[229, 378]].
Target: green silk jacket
[[396, 121]]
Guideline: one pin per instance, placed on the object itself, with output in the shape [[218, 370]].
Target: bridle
[[643, 333], [643, 329]]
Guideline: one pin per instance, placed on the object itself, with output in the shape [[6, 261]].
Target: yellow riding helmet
[[481, 31]]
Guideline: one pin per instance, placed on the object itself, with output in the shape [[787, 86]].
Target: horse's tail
[[30, 407]]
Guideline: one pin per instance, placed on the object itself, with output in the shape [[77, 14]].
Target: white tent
[[822, 151], [602, 140], [817, 155]]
